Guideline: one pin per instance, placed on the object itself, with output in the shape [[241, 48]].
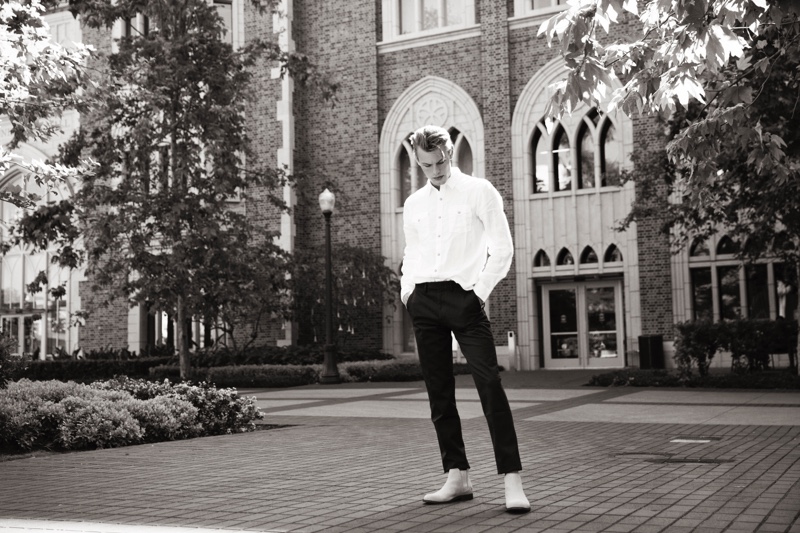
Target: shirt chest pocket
[[460, 218]]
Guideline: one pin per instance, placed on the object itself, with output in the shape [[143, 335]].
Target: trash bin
[[651, 351]]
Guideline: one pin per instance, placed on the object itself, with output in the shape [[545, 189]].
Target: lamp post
[[330, 373]]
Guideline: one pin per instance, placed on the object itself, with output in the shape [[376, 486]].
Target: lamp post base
[[330, 373]]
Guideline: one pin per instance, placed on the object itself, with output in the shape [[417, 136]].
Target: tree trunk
[[182, 340], [796, 317]]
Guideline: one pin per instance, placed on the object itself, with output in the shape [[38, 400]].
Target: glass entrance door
[[583, 325]]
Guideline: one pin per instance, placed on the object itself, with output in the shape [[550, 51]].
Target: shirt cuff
[[481, 292], [404, 297]]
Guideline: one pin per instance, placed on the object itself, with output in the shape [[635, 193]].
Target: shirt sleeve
[[499, 243], [411, 254]]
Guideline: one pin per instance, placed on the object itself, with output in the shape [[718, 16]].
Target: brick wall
[[107, 321], [336, 147], [497, 134], [655, 280]]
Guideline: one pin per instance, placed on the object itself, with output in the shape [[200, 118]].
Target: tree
[[160, 213], [39, 80], [363, 284], [726, 74]]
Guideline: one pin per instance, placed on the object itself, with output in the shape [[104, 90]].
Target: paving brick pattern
[[354, 474]]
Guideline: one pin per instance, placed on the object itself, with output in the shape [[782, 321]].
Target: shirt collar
[[454, 182]]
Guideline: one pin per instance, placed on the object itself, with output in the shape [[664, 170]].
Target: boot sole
[[461, 498], [518, 510]]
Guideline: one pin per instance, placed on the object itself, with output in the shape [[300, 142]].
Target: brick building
[[579, 294]]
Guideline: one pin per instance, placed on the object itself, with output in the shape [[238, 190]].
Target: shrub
[[264, 375], [220, 411], [662, 378], [96, 424], [53, 414], [750, 342], [88, 370], [165, 418], [388, 371], [281, 355], [10, 365], [695, 345]]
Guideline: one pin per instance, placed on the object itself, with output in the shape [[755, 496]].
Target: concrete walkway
[[359, 457]]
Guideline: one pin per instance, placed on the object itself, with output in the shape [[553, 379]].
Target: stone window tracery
[[581, 154]]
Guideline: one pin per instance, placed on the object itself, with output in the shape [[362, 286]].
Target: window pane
[[757, 292], [541, 259], [701, 294], [726, 245], [34, 264], [588, 256], [564, 258], [562, 161], [541, 151], [430, 14], [10, 329], [407, 15], [613, 254], [539, 4], [12, 282], [785, 291], [699, 249], [602, 320], [225, 11], [32, 341], [404, 170], [455, 12], [586, 156], [611, 158], [729, 302], [563, 324], [464, 157]]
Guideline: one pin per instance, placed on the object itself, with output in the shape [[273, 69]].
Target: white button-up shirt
[[459, 233]]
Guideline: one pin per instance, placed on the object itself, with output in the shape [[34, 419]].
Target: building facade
[[579, 293]]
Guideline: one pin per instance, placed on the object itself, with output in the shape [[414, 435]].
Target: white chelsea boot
[[456, 488], [516, 502]]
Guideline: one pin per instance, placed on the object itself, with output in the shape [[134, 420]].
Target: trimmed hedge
[[296, 375], [120, 412], [88, 370], [107, 363], [750, 343], [282, 355], [773, 379]]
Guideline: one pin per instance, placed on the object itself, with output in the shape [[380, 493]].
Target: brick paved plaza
[[353, 458]]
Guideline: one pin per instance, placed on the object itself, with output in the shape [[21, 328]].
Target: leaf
[[631, 6]]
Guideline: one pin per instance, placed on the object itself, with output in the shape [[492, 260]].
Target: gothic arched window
[[541, 259], [610, 155], [407, 177], [562, 160], [585, 157], [564, 258], [541, 159], [462, 152], [727, 246], [588, 256], [612, 255], [586, 150]]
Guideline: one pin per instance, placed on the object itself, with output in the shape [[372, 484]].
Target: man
[[458, 247]]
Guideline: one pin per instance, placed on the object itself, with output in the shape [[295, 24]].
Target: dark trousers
[[436, 309]]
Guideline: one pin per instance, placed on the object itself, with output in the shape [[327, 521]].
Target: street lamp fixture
[[330, 373]]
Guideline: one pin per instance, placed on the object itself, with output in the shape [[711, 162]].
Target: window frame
[[714, 261], [394, 40], [597, 125]]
